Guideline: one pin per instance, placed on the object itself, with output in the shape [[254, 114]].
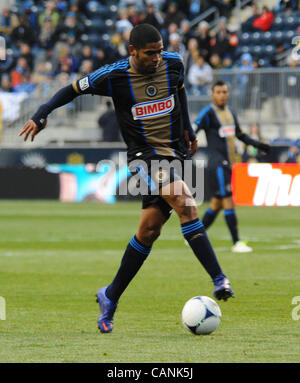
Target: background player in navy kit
[[221, 126], [150, 101]]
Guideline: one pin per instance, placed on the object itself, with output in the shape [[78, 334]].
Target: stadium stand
[[46, 40]]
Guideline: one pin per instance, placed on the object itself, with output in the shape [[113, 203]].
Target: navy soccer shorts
[[219, 180]]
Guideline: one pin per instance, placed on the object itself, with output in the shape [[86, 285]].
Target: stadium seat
[[267, 37], [244, 38], [256, 38], [288, 37], [93, 39], [282, 141], [291, 22], [277, 37], [95, 26], [268, 50], [297, 142], [278, 24], [264, 62], [256, 51]]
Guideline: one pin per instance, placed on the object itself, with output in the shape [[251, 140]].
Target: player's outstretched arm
[[39, 120]]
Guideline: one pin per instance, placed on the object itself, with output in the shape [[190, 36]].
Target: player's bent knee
[[150, 234]]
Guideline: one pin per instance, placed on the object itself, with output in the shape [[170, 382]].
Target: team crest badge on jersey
[[151, 90], [152, 109], [83, 83]]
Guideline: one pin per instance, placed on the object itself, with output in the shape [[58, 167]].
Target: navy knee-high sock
[[195, 235], [231, 221], [209, 217], [133, 258]]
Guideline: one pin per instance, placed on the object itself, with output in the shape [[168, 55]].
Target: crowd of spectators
[[45, 39]]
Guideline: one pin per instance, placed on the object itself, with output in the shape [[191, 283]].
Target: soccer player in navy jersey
[[221, 126], [151, 106]]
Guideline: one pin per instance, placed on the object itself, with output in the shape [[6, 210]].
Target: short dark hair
[[218, 83], [143, 34]]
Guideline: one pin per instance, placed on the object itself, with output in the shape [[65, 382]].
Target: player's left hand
[[192, 145], [264, 147], [31, 128]]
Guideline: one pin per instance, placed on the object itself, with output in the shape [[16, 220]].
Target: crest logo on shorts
[[161, 176], [151, 90]]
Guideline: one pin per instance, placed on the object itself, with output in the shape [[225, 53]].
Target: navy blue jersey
[[221, 126], [147, 106]]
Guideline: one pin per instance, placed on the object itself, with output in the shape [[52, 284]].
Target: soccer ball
[[201, 315]]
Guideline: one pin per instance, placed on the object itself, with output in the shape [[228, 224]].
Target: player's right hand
[[31, 128]]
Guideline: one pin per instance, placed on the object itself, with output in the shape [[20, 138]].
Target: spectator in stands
[[224, 6], [26, 85], [22, 33], [43, 77], [186, 32], [6, 65], [74, 44], [200, 77], [175, 44], [290, 5], [104, 56], [8, 22], [70, 27], [49, 12], [263, 22], [109, 125], [40, 73], [215, 61], [18, 73], [86, 54], [153, 17], [134, 15], [86, 67], [32, 17], [190, 57], [293, 155], [280, 54], [47, 36], [291, 83], [49, 57], [196, 7], [127, 3], [204, 39], [173, 15], [123, 23], [247, 25], [227, 64], [123, 46], [182, 6], [25, 51], [220, 43], [5, 84], [243, 78], [67, 62]]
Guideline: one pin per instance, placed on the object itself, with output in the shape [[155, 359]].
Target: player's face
[[220, 95], [147, 59]]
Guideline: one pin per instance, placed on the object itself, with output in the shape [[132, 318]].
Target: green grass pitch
[[54, 257]]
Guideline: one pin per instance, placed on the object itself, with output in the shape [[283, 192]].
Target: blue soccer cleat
[[107, 310], [223, 289]]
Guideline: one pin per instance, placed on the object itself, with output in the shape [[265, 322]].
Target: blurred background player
[[221, 127]]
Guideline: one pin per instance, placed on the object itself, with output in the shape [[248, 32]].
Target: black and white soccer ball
[[201, 315]]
